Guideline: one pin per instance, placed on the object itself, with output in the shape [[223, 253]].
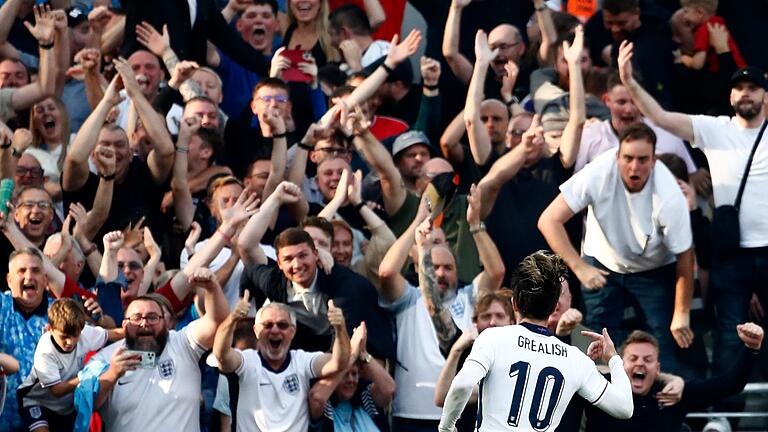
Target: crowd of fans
[[279, 215]]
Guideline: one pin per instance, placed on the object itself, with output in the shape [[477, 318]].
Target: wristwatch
[[474, 229], [365, 359]]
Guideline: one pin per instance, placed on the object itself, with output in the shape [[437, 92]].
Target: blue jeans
[[653, 291], [733, 280]]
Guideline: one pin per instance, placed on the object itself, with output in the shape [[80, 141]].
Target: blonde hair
[[322, 25], [709, 6], [37, 138]]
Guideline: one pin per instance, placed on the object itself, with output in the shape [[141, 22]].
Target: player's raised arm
[[459, 393], [616, 398]]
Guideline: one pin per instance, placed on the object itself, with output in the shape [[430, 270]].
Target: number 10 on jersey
[[549, 386]]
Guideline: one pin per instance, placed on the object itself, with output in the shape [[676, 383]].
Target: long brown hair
[[322, 24]]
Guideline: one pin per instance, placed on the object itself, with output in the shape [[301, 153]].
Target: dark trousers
[[653, 291], [400, 424]]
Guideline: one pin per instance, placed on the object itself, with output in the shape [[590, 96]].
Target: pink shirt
[[600, 137]]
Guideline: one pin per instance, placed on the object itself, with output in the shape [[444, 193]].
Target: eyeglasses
[[43, 205], [133, 265], [34, 172], [334, 151], [502, 46], [516, 132], [270, 98], [151, 318], [282, 325]]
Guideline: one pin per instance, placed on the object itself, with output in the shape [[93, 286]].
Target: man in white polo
[[637, 247]]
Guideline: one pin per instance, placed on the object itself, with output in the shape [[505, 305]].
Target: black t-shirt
[[406, 109], [137, 196], [512, 222]]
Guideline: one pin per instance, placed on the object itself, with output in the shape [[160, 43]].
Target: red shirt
[[701, 43], [383, 127], [393, 9]]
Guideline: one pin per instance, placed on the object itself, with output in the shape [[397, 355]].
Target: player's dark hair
[[639, 336], [636, 132], [273, 83], [618, 6], [243, 333], [271, 3], [536, 284]]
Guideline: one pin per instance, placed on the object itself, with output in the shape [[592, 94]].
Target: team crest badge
[[166, 369], [291, 384], [35, 412]]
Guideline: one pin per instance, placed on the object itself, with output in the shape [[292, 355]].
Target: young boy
[[701, 14], [47, 393]]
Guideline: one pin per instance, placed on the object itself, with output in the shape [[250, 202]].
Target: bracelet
[[228, 238], [90, 250], [107, 177], [306, 147], [431, 87], [280, 135], [182, 150], [512, 101], [387, 69], [5, 146], [45, 46], [359, 205], [477, 228]]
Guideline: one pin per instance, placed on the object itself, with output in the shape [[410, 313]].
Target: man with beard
[[727, 143], [641, 363], [638, 240], [165, 395], [274, 380]]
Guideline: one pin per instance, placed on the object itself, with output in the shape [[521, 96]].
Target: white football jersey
[[530, 378]]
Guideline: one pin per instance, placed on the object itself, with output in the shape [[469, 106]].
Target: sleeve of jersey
[[459, 393], [177, 304], [701, 39], [93, 337], [47, 368], [71, 288], [615, 397], [576, 190]]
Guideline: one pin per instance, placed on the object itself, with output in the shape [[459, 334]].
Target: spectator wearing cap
[[727, 143], [410, 151]]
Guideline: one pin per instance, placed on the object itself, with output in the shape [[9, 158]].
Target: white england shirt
[[274, 401], [164, 398], [531, 376]]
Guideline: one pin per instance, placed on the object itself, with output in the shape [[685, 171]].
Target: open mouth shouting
[[638, 378], [29, 289]]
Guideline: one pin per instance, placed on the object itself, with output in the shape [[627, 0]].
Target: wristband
[[182, 150], [45, 46], [15, 152], [280, 135], [477, 228], [387, 69], [541, 8], [5, 146], [228, 238], [431, 87], [107, 177], [359, 205], [306, 147], [90, 250], [512, 101]]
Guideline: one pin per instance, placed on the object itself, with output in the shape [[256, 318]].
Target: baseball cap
[[749, 74], [75, 16], [408, 139]]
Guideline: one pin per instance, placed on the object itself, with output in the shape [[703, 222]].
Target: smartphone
[[293, 73], [147, 358]]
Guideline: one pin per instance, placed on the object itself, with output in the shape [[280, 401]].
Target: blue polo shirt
[[19, 334]]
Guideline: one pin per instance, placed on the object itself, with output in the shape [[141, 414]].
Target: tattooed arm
[[441, 317]]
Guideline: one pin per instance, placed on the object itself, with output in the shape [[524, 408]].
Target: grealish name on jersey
[[546, 348]]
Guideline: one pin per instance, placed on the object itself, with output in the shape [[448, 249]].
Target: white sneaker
[[717, 424]]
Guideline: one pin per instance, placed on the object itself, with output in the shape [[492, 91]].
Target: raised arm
[[56, 278], [8, 12], [250, 237], [338, 360], [45, 86], [676, 123], [203, 330], [375, 13], [278, 158], [392, 185], [113, 241], [392, 282], [616, 399], [339, 198], [183, 206], [548, 32], [75, 172], [229, 359], [104, 159], [160, 158], [61, 50], [459, 64], [155, 254], [90, 250], [552, 226], [492, 276], [90, 61], [450, 144], [479, 140], [451, 366], [571, 138], [159, 45], [442, 320], [507, 167]]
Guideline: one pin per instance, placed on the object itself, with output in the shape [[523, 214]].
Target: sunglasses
[[282, 325], [133, 265]]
